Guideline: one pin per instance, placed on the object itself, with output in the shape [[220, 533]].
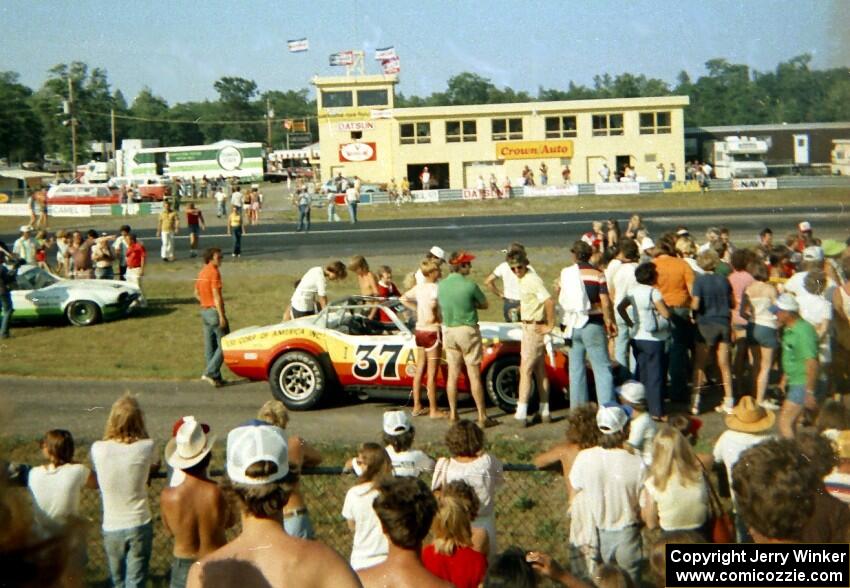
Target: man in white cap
[[263, 554], [813, 258], [435, 254], [194, 512], [613, 476], [25, 246], [799, 363], [399, 433]]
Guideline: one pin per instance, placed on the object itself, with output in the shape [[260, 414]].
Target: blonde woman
[[123, 462], [451, 555], [423, 299], [296, 518], [675, 495], [687, 250], [370, 545], [762, 327]]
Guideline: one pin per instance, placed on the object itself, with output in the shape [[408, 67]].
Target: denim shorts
[[796, 393], [762, 336], [713, 333]]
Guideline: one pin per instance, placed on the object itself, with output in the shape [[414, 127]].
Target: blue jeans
[[303, 217], [590, 340], [652, 372], [352, 212], [213, 355], [104, 273], [510, 310], [220, 209], [180, 567], [624, 548], [679, 345], [7, 309], [622, 353], [128, 553], [237, 240]]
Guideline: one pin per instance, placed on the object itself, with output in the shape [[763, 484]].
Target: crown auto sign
[[357, 152], [534, 149]]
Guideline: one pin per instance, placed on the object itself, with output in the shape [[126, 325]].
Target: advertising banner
[[537, 191], [384, 53], [610, 188], [357, 152], [391, 65], [425, 195], [755, 184], [474, 194], [342, 58], [14, 210], [79, 210], [382, 113], [534, 149]]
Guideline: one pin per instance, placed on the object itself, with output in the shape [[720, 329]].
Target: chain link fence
[[531, 511]]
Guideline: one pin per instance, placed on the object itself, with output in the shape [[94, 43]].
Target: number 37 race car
[[342, 349]]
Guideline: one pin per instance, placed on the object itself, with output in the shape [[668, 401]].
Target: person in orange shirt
[[676, 281], [213, 317]]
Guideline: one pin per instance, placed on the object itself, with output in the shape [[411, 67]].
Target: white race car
[[38, 295]]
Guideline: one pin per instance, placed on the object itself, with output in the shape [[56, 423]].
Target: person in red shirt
[[213, 317], [136, 256], [196, 224], [451, 556], [386, 289]]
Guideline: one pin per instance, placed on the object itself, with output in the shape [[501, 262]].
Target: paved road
[[413, 236]]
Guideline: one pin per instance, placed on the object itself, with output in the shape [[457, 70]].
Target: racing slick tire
[[502, 384], [298, 380], [83, 313]]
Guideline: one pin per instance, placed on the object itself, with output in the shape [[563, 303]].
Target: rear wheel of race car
[[82, 313], [502, 383], [298, 380]]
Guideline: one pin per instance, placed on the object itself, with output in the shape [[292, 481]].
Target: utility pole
[[73, 123], [112, 121], [269, 117]]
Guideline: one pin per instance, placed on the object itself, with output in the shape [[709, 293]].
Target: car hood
[[96, 285]]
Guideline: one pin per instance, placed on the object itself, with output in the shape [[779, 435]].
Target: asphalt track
[[477, 233]]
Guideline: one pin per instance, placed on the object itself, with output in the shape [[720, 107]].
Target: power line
[[198, 121]]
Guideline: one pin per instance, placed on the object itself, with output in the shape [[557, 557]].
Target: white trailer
[[840, 157], [738, 157]]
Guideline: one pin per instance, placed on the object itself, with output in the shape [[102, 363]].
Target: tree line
[[32, 122]]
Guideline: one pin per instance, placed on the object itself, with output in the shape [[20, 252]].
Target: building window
[[372, 98], [558, 127], [506, 129], [461, 130], [411, 133], [655, 122], [356, 135], [340, 99], [607, 124]]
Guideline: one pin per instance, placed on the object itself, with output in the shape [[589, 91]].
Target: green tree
[[235, 104], [148, 114], [20, 128]]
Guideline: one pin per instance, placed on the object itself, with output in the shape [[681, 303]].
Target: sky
[[180, 48]]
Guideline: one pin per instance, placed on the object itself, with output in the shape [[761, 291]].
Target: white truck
[[738, 157]]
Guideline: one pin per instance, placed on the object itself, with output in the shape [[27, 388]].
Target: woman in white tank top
[[762, 328]]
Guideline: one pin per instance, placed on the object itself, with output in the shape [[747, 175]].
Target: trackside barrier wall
[[531, 511]]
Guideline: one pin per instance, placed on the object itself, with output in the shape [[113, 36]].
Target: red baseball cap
[[461, 257], [179, 423]]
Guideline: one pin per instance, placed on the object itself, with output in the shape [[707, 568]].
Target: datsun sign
[[357, 152]]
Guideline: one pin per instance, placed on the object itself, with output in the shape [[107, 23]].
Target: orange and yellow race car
[[343, 349]]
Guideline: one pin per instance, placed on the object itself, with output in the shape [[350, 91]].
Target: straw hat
[[749, 417]]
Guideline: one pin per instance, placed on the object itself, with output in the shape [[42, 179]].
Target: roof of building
[[766, 128], [352, 80], [543, 107]]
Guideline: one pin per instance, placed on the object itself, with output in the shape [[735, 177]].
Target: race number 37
[[374, 359]]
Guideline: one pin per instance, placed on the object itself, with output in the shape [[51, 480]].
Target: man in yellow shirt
[[166, 228], [537, 311]]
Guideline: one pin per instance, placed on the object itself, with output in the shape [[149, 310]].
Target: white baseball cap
[[813, 253], [254, 442], [611, 419], [438, 252], [397, 422], [633, 392], [786, 302], [804, 226], [25, 229]]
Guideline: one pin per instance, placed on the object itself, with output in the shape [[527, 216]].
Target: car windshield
[[367, 319], [33, 278]]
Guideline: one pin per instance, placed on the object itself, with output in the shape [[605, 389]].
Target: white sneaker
[[769, 405], [695, 404], [725, 407]]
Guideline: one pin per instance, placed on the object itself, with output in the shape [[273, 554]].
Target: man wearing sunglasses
[[460, 299], [537, 312]]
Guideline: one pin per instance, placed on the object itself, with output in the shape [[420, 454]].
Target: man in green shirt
[[799, 363], [460, 298]]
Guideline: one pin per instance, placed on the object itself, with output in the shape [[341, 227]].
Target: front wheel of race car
[[82, 313], [502, 383], [298, 380]]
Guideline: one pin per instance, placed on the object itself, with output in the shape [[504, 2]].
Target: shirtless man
[[398, 501], [263, 554], [195, 511]]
